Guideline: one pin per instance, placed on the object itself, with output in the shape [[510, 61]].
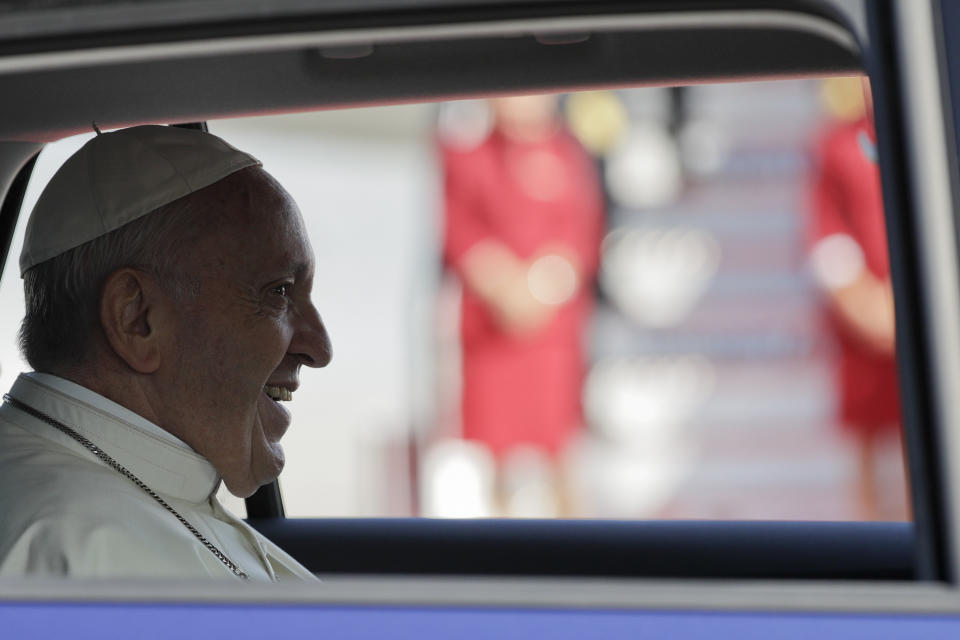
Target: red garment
[[848, 200], [522, 390]]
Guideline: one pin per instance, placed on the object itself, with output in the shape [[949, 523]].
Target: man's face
[[239, 344]]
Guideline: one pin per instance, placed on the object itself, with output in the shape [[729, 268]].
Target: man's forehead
[[249, 201], [265, 233]]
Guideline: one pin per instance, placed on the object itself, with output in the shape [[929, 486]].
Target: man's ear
[[130, 317]]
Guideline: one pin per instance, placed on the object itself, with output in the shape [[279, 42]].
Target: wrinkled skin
[[251, 324]]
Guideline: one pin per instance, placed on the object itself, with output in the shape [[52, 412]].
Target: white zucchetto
[[118, 177]]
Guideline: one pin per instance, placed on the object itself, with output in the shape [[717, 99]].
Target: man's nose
[[311, 343]]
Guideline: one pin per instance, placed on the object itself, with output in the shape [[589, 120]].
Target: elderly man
[[167, 280]]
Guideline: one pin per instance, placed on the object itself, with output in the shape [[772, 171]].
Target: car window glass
[[670, 337]]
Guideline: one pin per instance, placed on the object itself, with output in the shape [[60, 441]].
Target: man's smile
[[278, 393]]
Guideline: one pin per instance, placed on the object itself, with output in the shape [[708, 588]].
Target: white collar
[[94, 399], [160, 459]]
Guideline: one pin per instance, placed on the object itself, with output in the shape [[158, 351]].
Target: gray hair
[[62, 294]]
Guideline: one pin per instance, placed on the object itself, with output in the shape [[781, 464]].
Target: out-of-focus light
[[528, 483], [842, 98], [552, 279], [464, 124], [643, 171], [704, 147], [642, 401], [597, 118], [458, 479], [640, 406], [639, 483], [613, 479], [656, 276], [837, 261]]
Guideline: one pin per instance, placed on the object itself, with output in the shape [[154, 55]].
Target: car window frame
[[927, 411]]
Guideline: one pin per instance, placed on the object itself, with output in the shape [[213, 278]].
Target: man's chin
[[265, 459], [241, 494], [246, 487], [242, 489]]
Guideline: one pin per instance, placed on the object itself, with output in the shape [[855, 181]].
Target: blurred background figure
[[523, 218], [851, 265]]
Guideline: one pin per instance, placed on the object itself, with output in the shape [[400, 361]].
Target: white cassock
[[63, 512]]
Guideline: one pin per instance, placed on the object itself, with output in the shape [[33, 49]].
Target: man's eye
[[281, 289]]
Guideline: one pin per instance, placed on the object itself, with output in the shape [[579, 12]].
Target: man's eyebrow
[[302, 267], [296, 269]]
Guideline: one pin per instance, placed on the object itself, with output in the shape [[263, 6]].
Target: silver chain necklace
[[119, 468]]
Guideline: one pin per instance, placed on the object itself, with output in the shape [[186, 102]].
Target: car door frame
[[925, 348]]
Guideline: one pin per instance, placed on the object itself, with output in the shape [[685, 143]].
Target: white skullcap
[[118, 177]]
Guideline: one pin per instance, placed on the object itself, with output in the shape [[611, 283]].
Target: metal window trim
[[928, 155], [514, 593], [752, 19]]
